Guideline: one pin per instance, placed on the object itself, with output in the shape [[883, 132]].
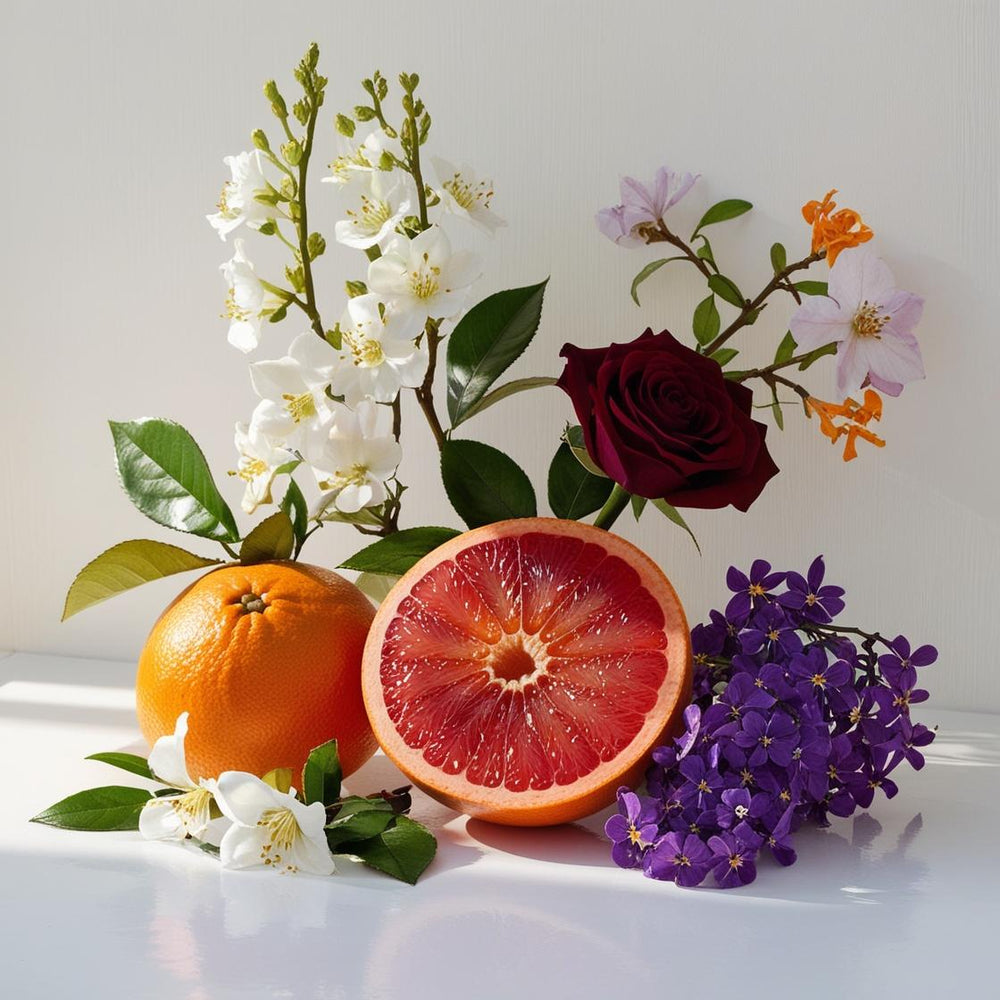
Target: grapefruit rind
[[459, 623]]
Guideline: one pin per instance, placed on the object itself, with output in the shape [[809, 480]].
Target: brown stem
[[425, 394], [750, 308], [664, 235], [770, 369]]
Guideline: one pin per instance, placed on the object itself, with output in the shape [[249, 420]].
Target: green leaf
[[674, 515], [779, 258], [358, 819], [724, 355], [127, 565], [726, 290], [638, 506], [321, 774], [573, 491], [487, 341], [403, 851], [485, 485], [650, 268], [573, 436], [113, 807], [294, 505], [509, 389], [705, 250], [126, 761], [811, 287], [208, 848], [396, 553], [722, 211], [273, 538], [785, 349], [706, 321], [375, 586], [165, 475], [813, 356]]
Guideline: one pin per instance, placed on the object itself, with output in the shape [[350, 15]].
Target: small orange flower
[[857, 417], [834, 231]]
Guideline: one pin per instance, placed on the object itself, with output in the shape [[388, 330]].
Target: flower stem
[[302, 224], [750, 308], [663, 235], [615, 504], [425, 393]]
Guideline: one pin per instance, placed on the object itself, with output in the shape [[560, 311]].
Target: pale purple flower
[[643, 206], [870, 321]]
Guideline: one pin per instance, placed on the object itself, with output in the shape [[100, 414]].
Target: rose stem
[[615, 504]]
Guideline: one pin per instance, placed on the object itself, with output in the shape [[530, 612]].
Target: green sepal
[[672, 514], [573, 436], [127, 565], [638, 506]]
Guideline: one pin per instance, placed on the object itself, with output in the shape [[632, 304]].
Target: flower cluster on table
[[791, 721]]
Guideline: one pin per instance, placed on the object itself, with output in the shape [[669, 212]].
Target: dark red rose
[[662, 422]]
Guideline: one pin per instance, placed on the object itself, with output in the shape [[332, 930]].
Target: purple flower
[[779, 840], [633, 828], [747, 589], [873, 775], [642, 209], [739, 806], [869, 320], [816, 602], [702, 783], [733, 861], [815, 674], [767, 738], [771, 630], [678, 857]]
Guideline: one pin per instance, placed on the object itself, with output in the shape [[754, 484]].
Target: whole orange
[[267, 660]]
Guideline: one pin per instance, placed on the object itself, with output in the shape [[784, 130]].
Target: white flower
[[356, 458], [248, 300], [381, 204], [380, 355], [465, 196], [238, 203], [363, 158], [174, 817], [260, 458], [293, 389], [271, 828], [422, 275]]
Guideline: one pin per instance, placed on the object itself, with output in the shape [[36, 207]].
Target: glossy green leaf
[[812, 287], [484, 485], [294, 505], [722, 211], [488, 339], [779, 258], [396, 553], [573, 436], [273, 538], [573, 491], [726, 290], [638, 506], [724, 355], [127, 565], [674, 515], [705, 250], [785, 349], [113, 807], [165, 475], [706, 322], [403, 851], [651, 268], [509, 389], [321, 774], [358, 819], [130, 762], [813, 356]]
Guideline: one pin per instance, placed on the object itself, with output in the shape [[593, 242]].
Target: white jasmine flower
[[363, 158], [270, 827], [380, 356], [174, 817], [422, 275], [238, 203], [260, 458], [381, 204], [248, 301], [464, 195], [355, 459], [293, 389]]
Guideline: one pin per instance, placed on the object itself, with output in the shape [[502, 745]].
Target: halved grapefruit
[[524, 670]]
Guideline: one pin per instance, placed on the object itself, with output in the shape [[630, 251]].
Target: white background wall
[[115, 120]]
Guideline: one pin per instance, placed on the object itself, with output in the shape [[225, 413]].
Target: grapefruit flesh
[[523, 671]]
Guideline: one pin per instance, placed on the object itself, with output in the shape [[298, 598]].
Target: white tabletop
[[905, 897]]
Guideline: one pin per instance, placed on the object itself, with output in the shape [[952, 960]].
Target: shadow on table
[[568, 844]]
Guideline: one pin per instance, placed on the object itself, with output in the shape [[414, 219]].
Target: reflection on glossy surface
[[502, 913]]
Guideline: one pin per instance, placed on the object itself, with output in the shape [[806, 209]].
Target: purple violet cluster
[[792, 718]]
